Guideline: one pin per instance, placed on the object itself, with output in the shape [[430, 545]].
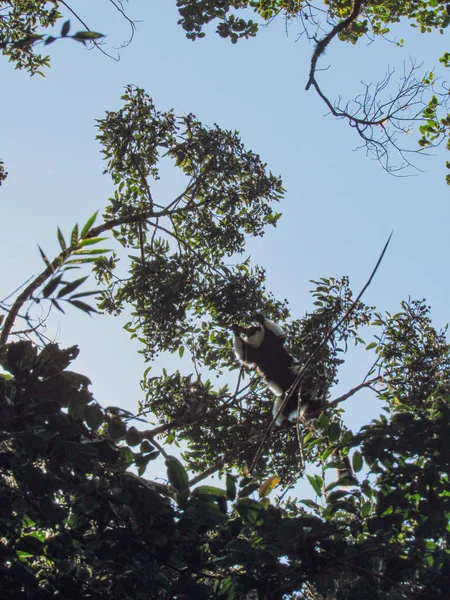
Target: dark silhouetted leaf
[[65, 28]]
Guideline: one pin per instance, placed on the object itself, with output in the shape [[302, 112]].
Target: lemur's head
[[254, 335]]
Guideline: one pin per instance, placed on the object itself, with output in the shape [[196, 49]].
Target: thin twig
[[96, 44], [353, 391]]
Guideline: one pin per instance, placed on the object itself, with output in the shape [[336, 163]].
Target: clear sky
[[339, 208]]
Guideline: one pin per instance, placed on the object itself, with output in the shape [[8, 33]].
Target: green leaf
[[56, 305], [94, 416], [82, 306], [82, 295], [317, 483], [250, 510], [26, 42], [209, 490], [310, 504], [88, 224], [51, 286], [30, 545], [366, 509], [90, 252], [133, 437], [248, 489], [92, 240], [117, 428], [62, 241], [77, 261], [371, 345], [82, 36], [74, 235], [45, 259], [177, 474], [357, 461], [231, 486], [334, 431], [70, 287], [141, 462], [65, 28]]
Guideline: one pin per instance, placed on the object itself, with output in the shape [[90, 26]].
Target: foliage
[[177, 271], [382, 115], [373, 16], [21, 23], [77, 522], [50, 285], [413, 356]]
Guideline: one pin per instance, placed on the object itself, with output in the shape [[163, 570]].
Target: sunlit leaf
[[62, 241], [74, 235], [317, 483], [91, 241], [268, 486], [88, 225]]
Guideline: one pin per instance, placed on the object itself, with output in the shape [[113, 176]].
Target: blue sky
[[339, 208]]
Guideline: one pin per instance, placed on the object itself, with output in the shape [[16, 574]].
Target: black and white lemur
[[262, 347]]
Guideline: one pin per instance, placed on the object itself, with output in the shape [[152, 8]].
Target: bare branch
[[377, 122], [369, 383]]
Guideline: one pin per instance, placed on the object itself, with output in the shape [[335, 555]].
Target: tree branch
[[96, 44], [56, 263], [323, 43]]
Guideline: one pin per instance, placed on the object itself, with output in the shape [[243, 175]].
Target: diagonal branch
[[323, 43]]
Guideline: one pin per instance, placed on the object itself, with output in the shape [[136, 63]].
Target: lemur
[[262, 347]]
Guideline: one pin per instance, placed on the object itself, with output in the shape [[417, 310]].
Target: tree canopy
[[82, 511], [78, 522], [384, 113]]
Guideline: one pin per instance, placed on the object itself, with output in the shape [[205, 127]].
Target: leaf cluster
[[377, 119], [75, 522], [21, 23], [428, 15], [177, 273], [210, 420], [414, 358]]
